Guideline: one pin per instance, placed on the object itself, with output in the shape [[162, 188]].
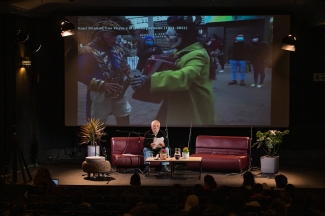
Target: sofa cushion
[[220, 162]]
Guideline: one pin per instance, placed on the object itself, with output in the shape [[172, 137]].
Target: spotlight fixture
[[26, 62], [24, 37], [289, 43], [67, 28]]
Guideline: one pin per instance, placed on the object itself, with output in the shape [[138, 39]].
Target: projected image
[[181, 70]]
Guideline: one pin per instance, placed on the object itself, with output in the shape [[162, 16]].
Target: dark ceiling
[[311, 10]]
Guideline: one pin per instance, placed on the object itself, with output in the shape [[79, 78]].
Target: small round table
[[96, 164]]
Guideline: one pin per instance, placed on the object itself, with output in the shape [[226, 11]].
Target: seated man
[[149, 145]]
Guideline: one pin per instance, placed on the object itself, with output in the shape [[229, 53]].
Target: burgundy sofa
[[126, 152], [224, 153]]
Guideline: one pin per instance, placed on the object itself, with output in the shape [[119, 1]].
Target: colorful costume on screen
[[99, 63]]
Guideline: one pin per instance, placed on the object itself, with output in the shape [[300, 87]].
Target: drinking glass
[[151, 154]]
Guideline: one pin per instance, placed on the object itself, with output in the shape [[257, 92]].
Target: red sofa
[[226, 153], [125, 151]]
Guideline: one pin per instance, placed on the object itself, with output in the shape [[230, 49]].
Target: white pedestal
[[269, 164], [91, 150]]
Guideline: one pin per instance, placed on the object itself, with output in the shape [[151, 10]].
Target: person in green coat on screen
[[188, 90]]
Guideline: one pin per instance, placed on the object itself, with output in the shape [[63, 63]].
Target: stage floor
[[69, 172]]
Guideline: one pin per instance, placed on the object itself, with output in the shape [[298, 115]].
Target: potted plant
[[163, 154], [186, 153], [91, 133], [270, 142]]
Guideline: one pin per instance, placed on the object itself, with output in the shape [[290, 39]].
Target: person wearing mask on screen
[[188, 90], [216, 47], [239, 52], [150, 146], [259, 53], [147, 49], [103, 68]]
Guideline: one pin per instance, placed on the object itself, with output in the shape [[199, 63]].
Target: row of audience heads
[[44, 181]]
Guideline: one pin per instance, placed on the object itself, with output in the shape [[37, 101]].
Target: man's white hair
[[155, 121]]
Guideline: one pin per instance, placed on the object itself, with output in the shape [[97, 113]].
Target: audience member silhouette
[[198, 190], [258, 192], [269, 212], [279, 206], [281, 181], [315, 204], [18, 208], [290, 189], [259, 196], [140, 211], [2, 183], [248, 180], [195, 211], [136, 201], [236, 204], [43, 175], [175, 195], [42, 195], [217, 203], [191, 201], [209, 184], [172, 211], [292, 209], [79, 205], [135, 182]]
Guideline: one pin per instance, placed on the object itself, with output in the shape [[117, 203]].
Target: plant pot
[[270, 164], [92, 151], [185, 155]]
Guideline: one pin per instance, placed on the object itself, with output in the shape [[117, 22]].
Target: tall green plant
[[270, 141], [92, 132]]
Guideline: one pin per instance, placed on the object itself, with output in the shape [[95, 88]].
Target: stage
[[69, 172]]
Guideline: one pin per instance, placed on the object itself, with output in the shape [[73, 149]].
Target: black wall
[[36, 106]]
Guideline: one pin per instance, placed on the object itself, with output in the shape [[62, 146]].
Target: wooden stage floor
[[69, 172]]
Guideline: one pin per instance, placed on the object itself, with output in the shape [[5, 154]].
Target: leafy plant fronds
[[270, 141], [92, 132]]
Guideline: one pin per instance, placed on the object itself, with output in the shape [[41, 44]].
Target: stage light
[[289, 43], [67, 28], [24, 37], [26, 62]]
